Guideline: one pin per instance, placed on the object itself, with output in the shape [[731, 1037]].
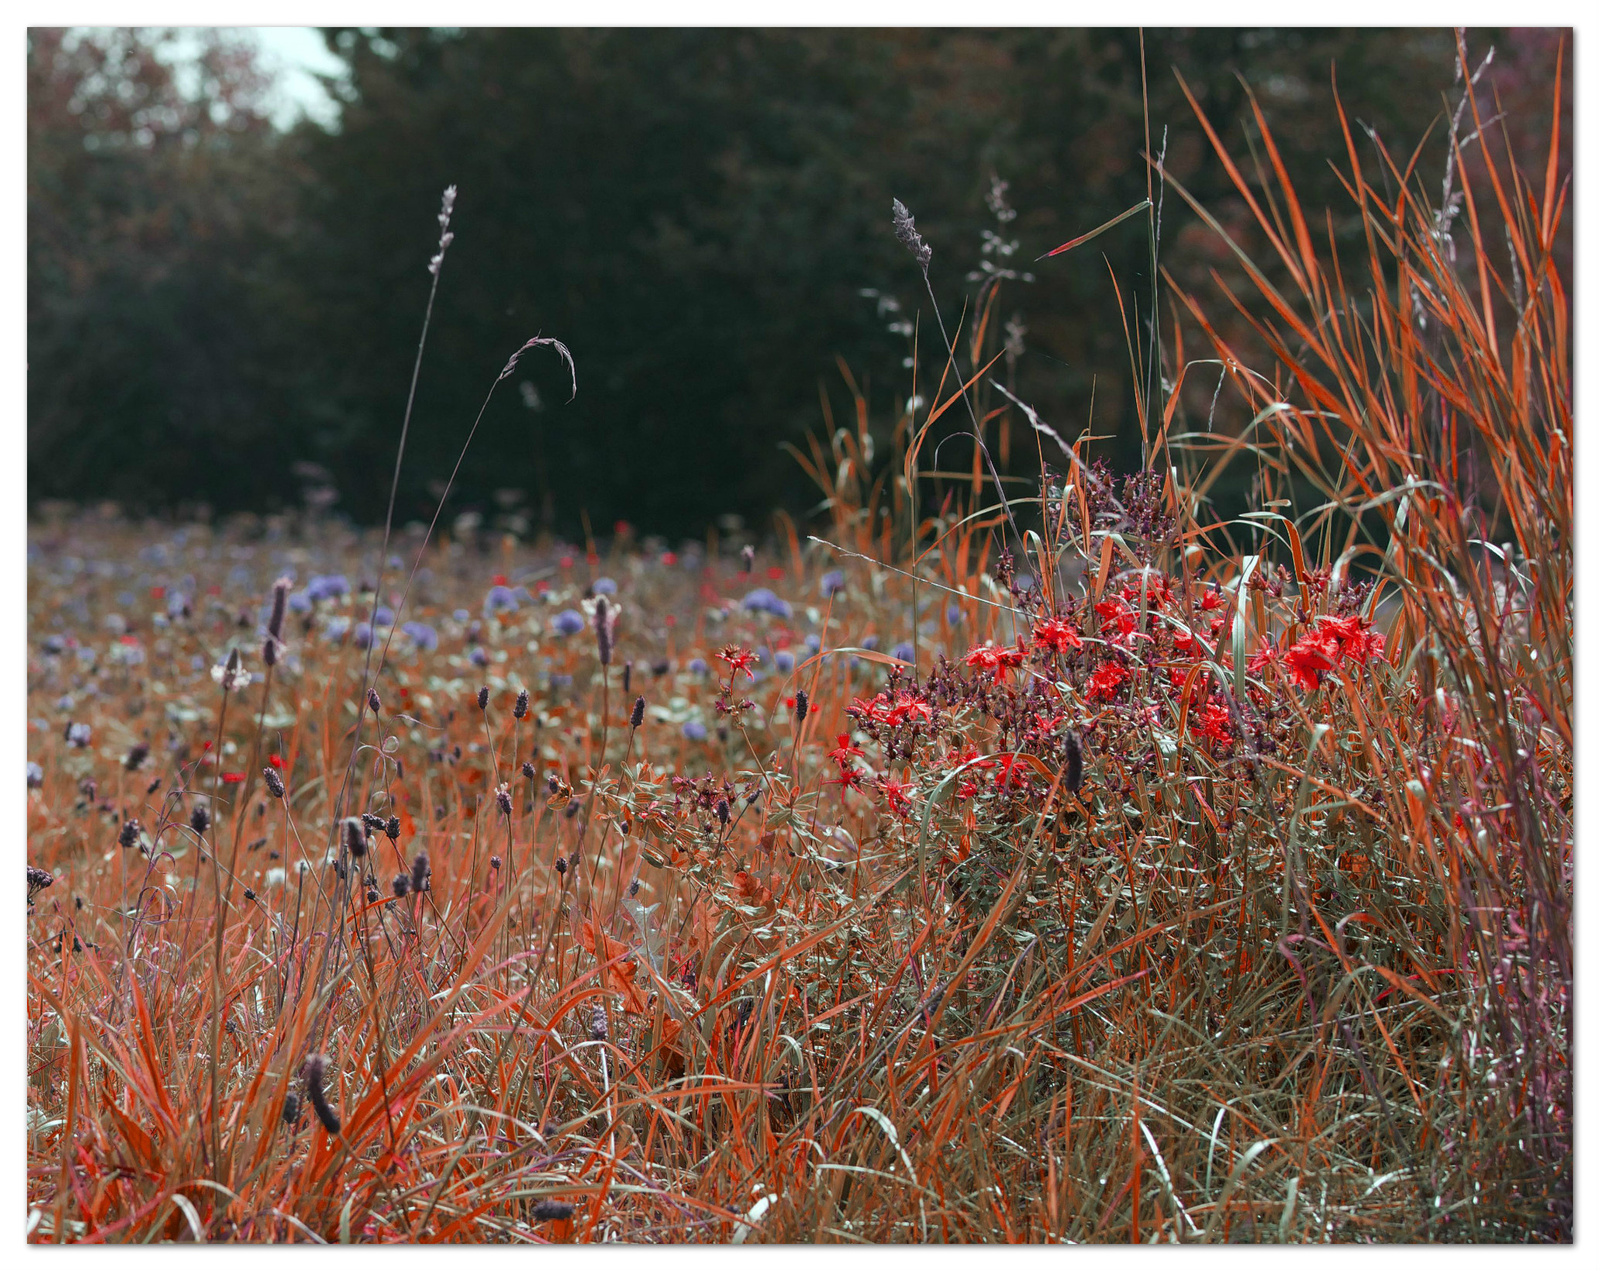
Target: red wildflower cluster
[[1055, 636], [893, 709], [1334, 640], [999, 660], [845, 754], [1107, 679]]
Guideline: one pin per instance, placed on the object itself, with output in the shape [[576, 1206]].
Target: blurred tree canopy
[[694, 213]]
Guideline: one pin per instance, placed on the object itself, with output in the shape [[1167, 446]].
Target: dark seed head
[[802, 706], [597, 1025], [372, 895], [372, 821], [1072, 777], [249, 894], [274, 782], [502, 796], [722, 811], [136, 756], [483, 699], [291, 1108], [527, 769], [129, 836], [637, 717], [520, 710], [316, 1067], [200, 819], [561, 865], [494, 862], [391, 827], [401, 884], [373, 701], [420, 870], [552, 1211], [355, 837]]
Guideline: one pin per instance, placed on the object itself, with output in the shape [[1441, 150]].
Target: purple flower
[[461, 616], [764, 600], [697, 666], [78, 735], [605, 587], [478, 656], [903, 651], [327, 586], [499, 600], [422, 635], [363, 634], [300, 602], [35, 775], [568, 622], [952, 615], [384, 616], [869, 642], [336, 629], [694, 730], [832, 582], [783, 660]]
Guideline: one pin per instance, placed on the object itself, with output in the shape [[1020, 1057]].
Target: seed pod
[[274, 782], [722, 811], [249, 894], [552, 1211], [129, 836], [494, 862], [136, 756], [502, 796], [355, 837], [520, 710], [373, 701], [372, 895], [483, 699], [1072, 778], [627, 676], [420, 869], [802, 706], [527, 769], [291, 1108], [200, 819], [401, 884], [315, 1068], [605, 629], [637, 717], [553, 783], [391, 827], [372, 821], [561, 864]]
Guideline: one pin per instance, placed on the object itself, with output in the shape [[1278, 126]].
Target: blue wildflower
[[336, 629], [814, 642], [832, 583], [300, 602], [479, 656], [605, 586], [903, 651], [783, 660], [384, 616], [499, 600], [697, 666], [78, 735], [952, 615], [35, 775], [327, 586], [869, 642], [363, 634], [568, 622], [694, 730], [461, 616], [764, 600], [422, 635]]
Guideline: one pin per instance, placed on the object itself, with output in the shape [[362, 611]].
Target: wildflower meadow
[[1042, 858]]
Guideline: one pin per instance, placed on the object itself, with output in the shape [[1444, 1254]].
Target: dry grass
[[1301, 973]]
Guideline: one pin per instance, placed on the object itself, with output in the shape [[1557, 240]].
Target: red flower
[[996, 660], [1310, 659], [1116, 612], [846, 751], [1211, 600], [232, 778], [909, 708], [277, 760], [1107, 679], [499, 580], [1215, 723], [1260, 660], [739, 659], [669, 558], [775, 572], [1056, 635], [895, 793], [1187, 642], [1011, 771], [1352, 637]]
